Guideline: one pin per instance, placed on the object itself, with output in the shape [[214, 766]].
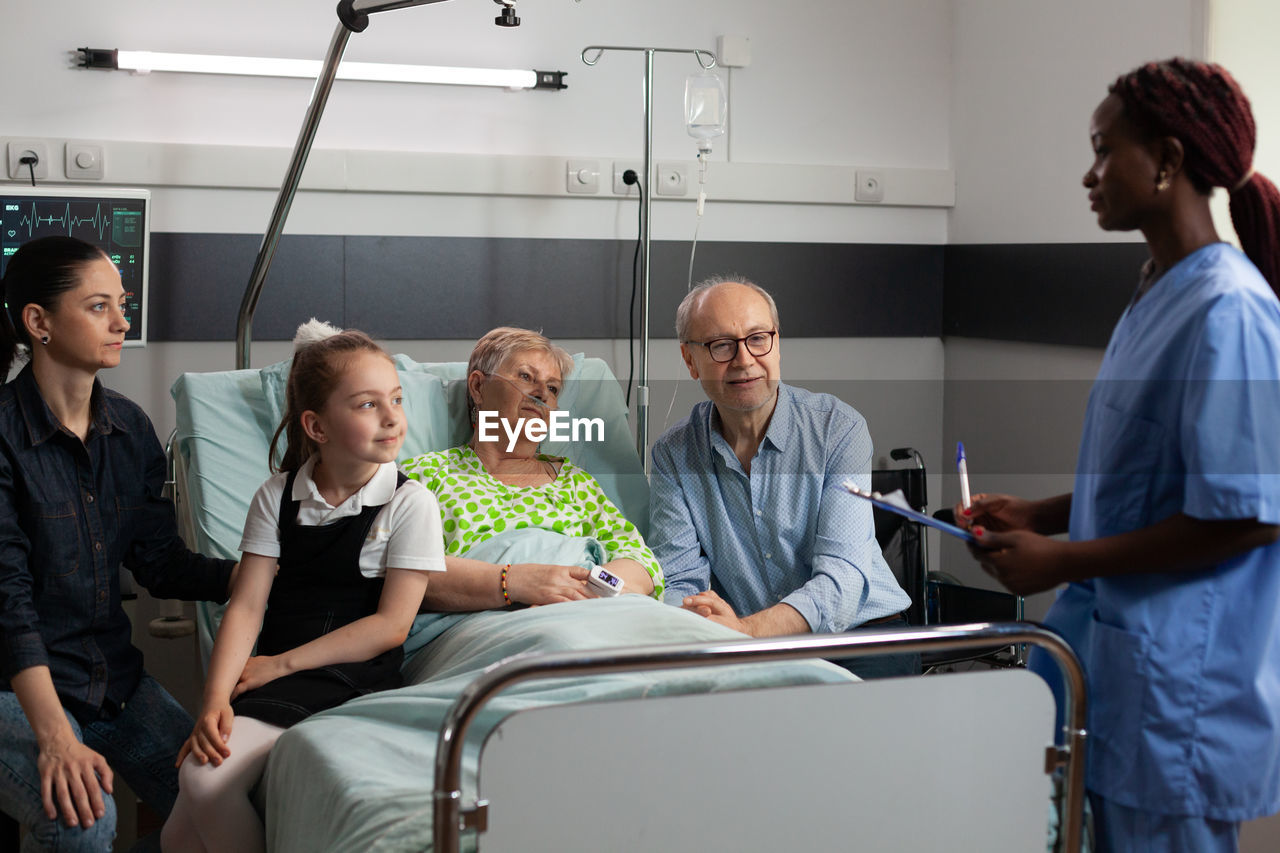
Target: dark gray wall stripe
[[822, 289], [198, 280], [458, 288], [1053, 293]]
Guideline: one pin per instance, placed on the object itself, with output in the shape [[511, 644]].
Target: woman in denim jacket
[[81, 473]]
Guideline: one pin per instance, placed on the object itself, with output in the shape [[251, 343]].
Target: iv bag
[[706, 105]]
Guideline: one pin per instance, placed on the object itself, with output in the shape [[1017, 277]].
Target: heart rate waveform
[[113, 221], [113, 225]]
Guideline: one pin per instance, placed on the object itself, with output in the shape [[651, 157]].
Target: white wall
[[799, 101], [830, 83], [1026, 77], [1240, 37], [794, 104]]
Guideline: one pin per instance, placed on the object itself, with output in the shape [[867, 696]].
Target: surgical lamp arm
[[369, 7], [353, 16]]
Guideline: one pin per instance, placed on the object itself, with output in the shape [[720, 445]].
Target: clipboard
[[896, 503]]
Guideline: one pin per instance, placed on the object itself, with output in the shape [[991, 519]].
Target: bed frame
[[935, 761], [973, 778]]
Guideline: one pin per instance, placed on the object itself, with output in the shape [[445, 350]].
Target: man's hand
[[715, 608], [72, 779]]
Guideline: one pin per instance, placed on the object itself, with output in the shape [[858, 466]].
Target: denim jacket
[[71, 513]]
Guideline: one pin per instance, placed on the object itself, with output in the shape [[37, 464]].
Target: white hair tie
[[313, 332], [1248, 176]]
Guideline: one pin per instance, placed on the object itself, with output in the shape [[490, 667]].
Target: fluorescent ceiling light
[[144, 61]]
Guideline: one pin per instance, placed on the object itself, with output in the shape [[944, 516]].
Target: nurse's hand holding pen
[[1013, 540], [1014, 545]]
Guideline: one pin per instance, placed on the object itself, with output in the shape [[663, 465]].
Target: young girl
[[353, 539]]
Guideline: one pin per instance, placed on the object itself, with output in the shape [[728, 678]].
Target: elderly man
[[748, 517]]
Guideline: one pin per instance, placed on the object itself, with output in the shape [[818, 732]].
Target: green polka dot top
[[475, 507]]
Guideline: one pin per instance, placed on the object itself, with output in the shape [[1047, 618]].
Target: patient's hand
[[544, 583], [258, 671], [715, 608]]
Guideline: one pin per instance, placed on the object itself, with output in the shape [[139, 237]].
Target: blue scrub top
[[1184, 668]]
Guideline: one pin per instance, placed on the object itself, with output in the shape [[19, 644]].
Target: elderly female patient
[[521, 526]]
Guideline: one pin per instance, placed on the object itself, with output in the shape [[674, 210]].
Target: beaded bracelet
[[505, 597]]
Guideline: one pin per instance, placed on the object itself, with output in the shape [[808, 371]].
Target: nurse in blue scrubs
[[1172, 568]]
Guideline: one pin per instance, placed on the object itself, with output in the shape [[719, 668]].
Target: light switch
[[582, 176], [84, 161]]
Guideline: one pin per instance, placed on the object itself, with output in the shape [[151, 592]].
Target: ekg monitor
[[117, 220]]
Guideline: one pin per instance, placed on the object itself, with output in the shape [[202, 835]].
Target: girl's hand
[[258, 671], [208, 741], [72, 779], [996, 512], [543, 583]]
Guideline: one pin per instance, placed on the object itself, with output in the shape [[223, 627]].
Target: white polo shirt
[[406, 533]]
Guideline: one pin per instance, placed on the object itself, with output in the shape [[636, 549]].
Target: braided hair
[[1201, 105]]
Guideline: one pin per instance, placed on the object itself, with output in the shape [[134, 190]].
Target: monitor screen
[[116, 220]]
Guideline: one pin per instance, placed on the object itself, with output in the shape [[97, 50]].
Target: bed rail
[[450, 819]]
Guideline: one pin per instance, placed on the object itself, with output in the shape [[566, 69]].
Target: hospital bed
[[626, 724]]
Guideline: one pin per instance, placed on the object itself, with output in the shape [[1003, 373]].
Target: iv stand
[[642, 388]]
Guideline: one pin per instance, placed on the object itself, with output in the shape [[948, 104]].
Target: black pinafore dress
[[318, 589]]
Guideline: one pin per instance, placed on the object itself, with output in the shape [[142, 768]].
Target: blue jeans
[[1119, 829], [140, 744]]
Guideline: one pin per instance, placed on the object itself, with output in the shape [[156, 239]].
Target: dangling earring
[[1162, 181], [45, 340]]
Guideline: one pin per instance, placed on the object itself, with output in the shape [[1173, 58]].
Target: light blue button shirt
[[788, 532], [1184, 667]]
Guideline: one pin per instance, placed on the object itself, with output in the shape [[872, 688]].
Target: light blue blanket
[[360, 777], [526, 545]]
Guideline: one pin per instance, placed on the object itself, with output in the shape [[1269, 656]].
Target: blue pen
[[963, 467]]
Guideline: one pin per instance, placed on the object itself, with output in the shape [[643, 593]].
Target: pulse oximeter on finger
[[603, 582]]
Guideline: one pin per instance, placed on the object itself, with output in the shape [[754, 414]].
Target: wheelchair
[[936, 598]]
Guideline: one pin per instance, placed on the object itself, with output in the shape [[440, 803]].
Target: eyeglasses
[[725, 349]]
